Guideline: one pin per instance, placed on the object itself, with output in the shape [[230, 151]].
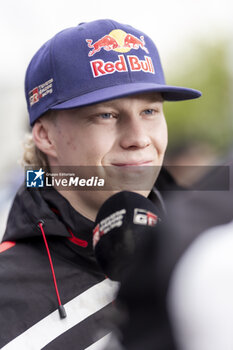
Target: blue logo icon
[[35, 178]]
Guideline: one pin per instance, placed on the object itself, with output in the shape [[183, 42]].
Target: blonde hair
[[32, 155]]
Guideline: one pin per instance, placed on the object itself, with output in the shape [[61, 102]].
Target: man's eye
[[149, 111], [106, 115]]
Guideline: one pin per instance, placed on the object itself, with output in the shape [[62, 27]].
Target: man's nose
[[134, 134]]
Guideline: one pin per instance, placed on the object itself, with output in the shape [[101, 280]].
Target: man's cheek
[[162, 141]]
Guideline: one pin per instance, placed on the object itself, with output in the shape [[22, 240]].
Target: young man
[[94, 95]]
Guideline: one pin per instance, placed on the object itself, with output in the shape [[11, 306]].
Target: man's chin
[[138, 179]]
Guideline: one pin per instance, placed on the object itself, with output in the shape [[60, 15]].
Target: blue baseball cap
[[94, 62]]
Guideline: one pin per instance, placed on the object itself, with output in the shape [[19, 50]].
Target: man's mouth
[[129, 164]]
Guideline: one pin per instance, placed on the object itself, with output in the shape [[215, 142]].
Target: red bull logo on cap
[[116, 40], [122, 42]]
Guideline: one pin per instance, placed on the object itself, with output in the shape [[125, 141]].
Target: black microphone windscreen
[[122, 223]]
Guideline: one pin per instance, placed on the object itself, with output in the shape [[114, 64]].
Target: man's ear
[[43, 137]]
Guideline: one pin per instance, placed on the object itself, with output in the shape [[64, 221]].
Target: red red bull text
[[100, 68]]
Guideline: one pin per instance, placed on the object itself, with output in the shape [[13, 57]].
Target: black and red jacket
[[33, 289], [30, 297]]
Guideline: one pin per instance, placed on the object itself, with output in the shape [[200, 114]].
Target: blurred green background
[[202, 128]]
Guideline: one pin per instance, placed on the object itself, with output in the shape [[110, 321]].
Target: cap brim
[[169, 93]]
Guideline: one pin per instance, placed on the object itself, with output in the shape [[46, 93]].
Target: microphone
[[122, 224]]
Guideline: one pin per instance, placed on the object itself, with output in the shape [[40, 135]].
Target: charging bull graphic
[[134, 43], [116, 40], [106, 42]]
